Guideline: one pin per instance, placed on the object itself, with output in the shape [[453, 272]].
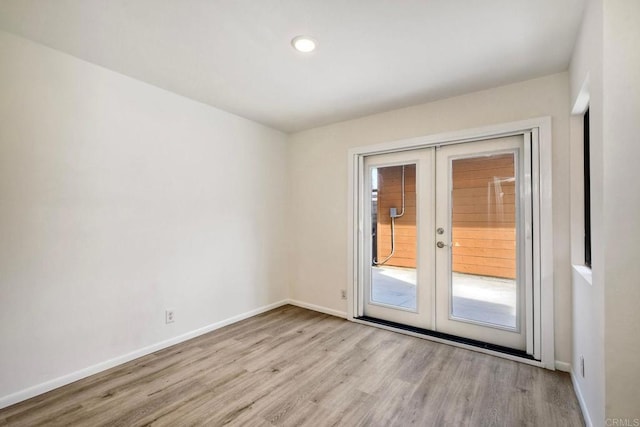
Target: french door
[[448, 244]]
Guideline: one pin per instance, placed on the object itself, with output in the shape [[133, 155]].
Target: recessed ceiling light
[[303, 44]]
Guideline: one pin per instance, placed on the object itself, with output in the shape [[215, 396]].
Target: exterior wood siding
[[483, 216], [390, 196]]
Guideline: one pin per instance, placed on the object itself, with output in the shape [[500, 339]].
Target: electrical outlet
[[169, 316], [343, 294], [582, 366]]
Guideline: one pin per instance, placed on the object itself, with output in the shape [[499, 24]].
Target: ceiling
[[372, 55]]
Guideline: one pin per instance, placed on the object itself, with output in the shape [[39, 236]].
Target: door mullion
[[527, 261]]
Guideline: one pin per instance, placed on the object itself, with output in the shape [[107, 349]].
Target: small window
[[587, 193]]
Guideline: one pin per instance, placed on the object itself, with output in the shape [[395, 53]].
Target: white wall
[[588, 289], [605, 309], [118, 200], [621, 207], [318, 182]]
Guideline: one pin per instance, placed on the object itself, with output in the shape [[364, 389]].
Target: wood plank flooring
[[296, 367]]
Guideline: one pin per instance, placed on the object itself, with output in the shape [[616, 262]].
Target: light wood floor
[[293, 366]]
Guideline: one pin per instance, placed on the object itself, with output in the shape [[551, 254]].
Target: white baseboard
[[107, 364], [583, 405], [318, 308], [563, 366]]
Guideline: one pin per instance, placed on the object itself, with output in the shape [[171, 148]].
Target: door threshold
[[451, 338]]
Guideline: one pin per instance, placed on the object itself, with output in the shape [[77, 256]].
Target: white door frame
[[425, 200], [539, 130], [447, 322]]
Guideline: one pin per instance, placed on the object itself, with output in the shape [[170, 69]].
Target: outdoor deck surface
[[478, 298]]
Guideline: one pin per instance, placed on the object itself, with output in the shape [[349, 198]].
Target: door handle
[[441, 244]]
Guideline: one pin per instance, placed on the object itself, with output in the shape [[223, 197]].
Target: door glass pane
[[483, 209], [393, 236]]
